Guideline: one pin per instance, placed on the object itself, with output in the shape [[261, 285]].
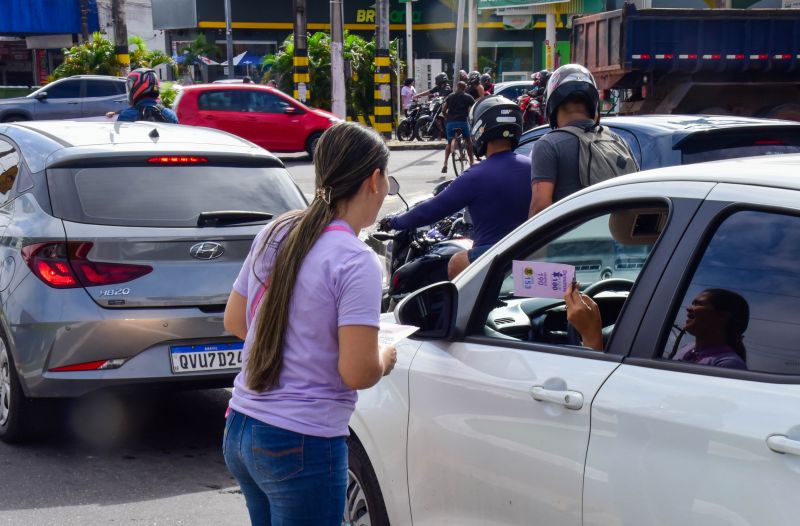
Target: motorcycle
[[418, 257], [405, 130], [532, 111], [431, 126]]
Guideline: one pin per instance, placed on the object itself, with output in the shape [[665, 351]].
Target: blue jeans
[[451, 126], [286, 478]]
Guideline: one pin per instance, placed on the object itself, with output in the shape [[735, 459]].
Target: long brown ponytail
[[345, 156]]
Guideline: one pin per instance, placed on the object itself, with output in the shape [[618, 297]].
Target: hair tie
[[324, 193]]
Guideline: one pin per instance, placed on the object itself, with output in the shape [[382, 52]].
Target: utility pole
[[338, 95], [301, 76], [383, 86], [409, 40], [550, 41], [473, 35], [85, 19], [459, 42], [121, 35], [229, 37]]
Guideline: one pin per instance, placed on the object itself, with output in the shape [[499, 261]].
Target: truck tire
[[789, 111]]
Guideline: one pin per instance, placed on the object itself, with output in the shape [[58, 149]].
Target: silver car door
[[63, 101], [103, 96]]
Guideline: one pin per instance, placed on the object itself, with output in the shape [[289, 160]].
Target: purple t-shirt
[[339, 284], [719, 356]]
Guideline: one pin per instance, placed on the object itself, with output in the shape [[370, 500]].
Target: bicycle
[[458, 152]]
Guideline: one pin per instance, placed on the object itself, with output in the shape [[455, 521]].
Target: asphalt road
[[417, 171], [153, 458]]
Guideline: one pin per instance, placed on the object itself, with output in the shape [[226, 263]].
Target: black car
[[670, 140]]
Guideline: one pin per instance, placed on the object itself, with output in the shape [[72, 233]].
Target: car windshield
[[168, 196]]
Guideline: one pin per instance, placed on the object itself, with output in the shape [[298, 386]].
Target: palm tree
[[143, 57], [95, 56], [199, 47]]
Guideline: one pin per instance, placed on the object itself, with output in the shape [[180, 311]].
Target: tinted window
[[168, 196], [753, 323], [103, 88], [633, 143], [69, 89], [222, 100], [764, 148], [9, 168], [263, 102]]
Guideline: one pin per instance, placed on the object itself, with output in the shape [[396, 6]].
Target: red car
[[266, 116]]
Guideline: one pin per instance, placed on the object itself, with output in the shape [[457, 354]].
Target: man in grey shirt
[[571, 100]]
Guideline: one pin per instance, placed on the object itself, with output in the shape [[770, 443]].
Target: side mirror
[[290, 110], [42, 95], [432, 309], [394, 186]]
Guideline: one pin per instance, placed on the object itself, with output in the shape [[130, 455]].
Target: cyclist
[[456, 108], [474, 87], [488, 85], [496, 191], [143, 97]]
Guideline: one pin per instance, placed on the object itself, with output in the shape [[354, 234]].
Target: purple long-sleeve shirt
[[497, 192]]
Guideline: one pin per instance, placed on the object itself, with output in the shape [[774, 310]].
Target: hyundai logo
[[207, 250]]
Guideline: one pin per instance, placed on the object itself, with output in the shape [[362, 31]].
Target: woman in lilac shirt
[[307, 305]]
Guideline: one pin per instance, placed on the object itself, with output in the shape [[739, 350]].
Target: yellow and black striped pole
[[383, 83], [301, 76], [121, 35]]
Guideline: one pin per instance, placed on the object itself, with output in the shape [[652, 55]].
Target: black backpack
[[151, 113]]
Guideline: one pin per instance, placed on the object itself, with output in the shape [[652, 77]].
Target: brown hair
[[346, 155]]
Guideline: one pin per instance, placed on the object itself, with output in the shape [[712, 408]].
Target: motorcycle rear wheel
[[405, 130], [425, 130]]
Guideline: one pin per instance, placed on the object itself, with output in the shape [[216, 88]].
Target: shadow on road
[[108, 448]]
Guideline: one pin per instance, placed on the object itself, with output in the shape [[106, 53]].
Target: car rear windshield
[[734, 144], [168, 196]]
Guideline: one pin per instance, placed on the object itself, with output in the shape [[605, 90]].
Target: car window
[[221, 100], [103, 88], [607, 253], [9, 168], [531, 138], [526, 148], [633, 143], [167, 196], [740, 308], [69, 89], [264, 102]]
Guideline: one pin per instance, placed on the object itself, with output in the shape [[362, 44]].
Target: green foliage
[[359, 52], [93, 57], [199, 47], [143, 57], [168, 92]]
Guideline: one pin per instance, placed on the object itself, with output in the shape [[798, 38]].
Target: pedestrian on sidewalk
[[407, 93], [307, 305]]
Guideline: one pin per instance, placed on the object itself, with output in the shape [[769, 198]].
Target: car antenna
[[154, 134]]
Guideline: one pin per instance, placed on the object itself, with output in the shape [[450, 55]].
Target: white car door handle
[[569, 399], [783, 444]]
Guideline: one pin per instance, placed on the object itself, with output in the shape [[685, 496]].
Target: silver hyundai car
[[119, 243]]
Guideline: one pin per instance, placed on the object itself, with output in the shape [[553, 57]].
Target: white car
[[496, 415]]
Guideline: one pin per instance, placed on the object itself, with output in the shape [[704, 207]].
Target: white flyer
[[393, 333]]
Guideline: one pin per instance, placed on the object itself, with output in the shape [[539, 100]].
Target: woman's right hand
[[583, 314], [388, 358]]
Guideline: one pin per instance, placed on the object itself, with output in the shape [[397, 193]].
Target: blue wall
[[45, 17]]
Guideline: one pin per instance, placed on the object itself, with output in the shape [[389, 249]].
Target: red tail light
[[177, 159], [98, 365], [66, 266]]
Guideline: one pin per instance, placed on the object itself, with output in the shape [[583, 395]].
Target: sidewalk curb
[[395, 145]]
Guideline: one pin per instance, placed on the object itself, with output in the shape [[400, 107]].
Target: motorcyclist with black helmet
[[571, 101], [143, 96], [441, 87], [474, 87], [496, 191], [488, 85]]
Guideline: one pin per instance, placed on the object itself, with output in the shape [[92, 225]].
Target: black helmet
[[474, 77], [486, 79], [141, 84], [570, 81], [440, 79], [494, 117]]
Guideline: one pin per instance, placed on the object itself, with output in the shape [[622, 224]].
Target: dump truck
[[694, 61]]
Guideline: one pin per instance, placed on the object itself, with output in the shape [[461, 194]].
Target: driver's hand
[[385, 224], [583, 314]]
